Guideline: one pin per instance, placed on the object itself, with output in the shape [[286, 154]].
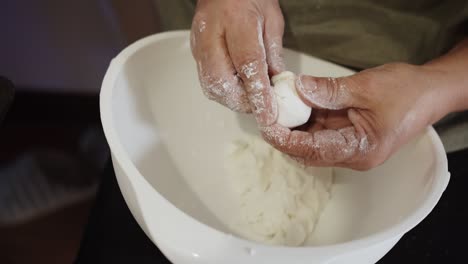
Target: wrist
[[445, 91], [452, 78]]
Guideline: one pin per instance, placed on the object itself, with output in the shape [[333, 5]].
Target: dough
[[292, 112], [280, 200]]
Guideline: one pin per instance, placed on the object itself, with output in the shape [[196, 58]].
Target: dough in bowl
[[280, 200]]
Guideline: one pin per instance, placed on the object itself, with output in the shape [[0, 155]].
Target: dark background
[[56, 52]]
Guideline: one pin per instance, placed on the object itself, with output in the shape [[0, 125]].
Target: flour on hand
[[280, 200]]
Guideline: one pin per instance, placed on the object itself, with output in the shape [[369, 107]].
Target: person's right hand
[[236, 45]]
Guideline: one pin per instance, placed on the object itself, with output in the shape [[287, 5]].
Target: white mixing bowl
[[168, 144]]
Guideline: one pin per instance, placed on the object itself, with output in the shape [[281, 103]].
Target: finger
[[328, 93], [317, 121], [321, 147], [216, 72], [325, 119], [246, 49], [273, 39], [365, 130]]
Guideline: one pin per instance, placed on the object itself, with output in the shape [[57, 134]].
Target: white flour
[[280, 200]]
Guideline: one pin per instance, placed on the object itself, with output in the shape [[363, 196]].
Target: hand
[[236, 44], [360, 120]]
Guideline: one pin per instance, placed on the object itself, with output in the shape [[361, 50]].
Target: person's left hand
[[360, 120], [237, 45]]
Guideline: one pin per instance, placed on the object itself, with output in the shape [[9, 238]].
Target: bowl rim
[[120, 155]]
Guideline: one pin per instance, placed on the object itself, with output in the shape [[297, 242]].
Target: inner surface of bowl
[[177, 140]]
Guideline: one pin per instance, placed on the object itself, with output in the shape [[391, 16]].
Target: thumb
[[325, 92]]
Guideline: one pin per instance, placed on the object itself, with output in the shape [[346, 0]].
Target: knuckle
[[226, 91], [313, 156], [253, 57], [360, 85], [255, 89], [363, 81], [198, 26], [248, 13], [335, 88], [217, 85], [278, 25], [275, 18], [349, 83], [258, 102], [208, 91], [238, 106], [199, 17], [280, 21], [275, 47], [335, 85], [378, 76], [250, 65], [209, 94], [209, 83], [253, 14], [350, 86], [274, 137]]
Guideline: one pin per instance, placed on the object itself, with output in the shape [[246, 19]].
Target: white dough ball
[[292, 112]]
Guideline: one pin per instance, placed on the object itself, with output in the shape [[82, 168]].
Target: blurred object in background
[[44, 180], [51, 156], [65, 46], [52, 148]]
